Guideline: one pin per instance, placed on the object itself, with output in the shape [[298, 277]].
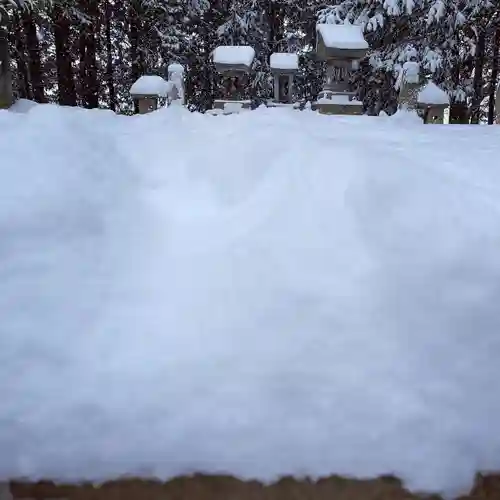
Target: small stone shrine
[[283, 68], [234, 63], [341, 46], [432, 102], [148, 90]]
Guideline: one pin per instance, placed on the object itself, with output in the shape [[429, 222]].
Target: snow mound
[[432, 94], [265, 293]]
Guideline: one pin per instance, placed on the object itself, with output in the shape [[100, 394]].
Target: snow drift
[[275, 292]]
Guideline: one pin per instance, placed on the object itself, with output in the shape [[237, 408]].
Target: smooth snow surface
[[342, 36], [153, 85], [234, 55], [265, 293], [282, 60], [432, 94]]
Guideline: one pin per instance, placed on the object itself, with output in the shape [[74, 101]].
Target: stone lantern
[[432, 102], [148, 90], [283, 68], [341, 46], [234, 63]]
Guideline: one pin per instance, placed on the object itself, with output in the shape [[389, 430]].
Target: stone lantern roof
[[233, 58], [340, 41]]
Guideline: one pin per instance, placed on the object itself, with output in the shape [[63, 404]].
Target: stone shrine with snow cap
[[148, 90], [341, 46], [432, 101], [234, 63], [283, 68]]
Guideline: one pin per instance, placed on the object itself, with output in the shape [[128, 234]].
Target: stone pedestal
[[336, 97], [230, 106], [6, 94]]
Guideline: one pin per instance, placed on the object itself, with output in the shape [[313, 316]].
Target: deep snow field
[[275, 292]]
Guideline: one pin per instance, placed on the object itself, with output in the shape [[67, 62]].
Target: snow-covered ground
[[275, 292]]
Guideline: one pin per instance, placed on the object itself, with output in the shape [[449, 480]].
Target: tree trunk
[[22, 80], [135, 55], [109, 57], [6, 94], [65, 77], [34, 61], [475, 110], [91, 53], [493, 79], [89, 85]]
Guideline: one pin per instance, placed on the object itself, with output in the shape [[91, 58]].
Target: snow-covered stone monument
[[409, 86], [176, 78], [6, 94], [341, 46], [148, 90], [234, 63], [283, 68], [432, 102]]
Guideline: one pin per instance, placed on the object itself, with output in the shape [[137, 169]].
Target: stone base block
[[220, 103], [338, 109]]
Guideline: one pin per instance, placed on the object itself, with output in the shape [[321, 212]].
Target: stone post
[[277, 87], [176, 77], [6, 94], [410, 86]]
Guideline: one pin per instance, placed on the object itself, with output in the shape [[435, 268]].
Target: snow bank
[[342, 36], [284, 61], [234, 55], [151, 85], [272, 292]]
